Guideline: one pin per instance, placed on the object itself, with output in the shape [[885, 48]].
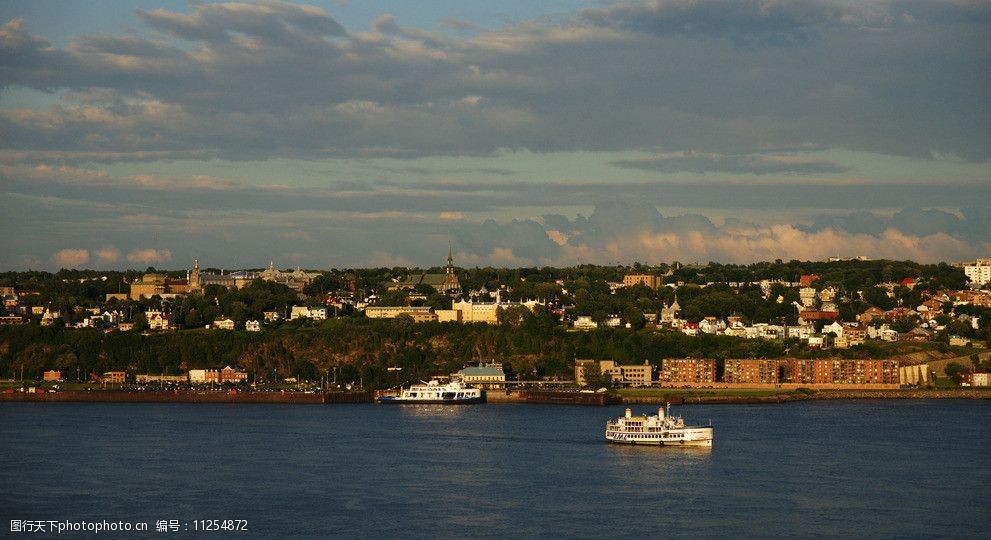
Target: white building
[[304, 312], [486, 312], [979, 272], [253, 326], [157, 320], [585, 322], [224, 324]]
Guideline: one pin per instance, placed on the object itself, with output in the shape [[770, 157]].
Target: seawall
[[187, 396], [815, 395]]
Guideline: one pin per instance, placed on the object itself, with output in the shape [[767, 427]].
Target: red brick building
[[688, 371]]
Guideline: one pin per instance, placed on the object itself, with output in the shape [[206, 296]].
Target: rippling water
[[812, 469]]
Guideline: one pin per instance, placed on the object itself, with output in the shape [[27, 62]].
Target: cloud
[[745, 164], [742, 22], [70, 258], [275, 79], [150, 256], [107, 255]]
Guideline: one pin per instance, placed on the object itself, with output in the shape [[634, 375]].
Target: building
[[157, 320], [11, 319], [752, 371], [418, 313], [628, 375], [647, 280], [149, 285], [224, 324], [978, 272], [149, 378], [671, 313], [622, 375], [447, 283], [114, 377], [585, 322], [837, 371], [217, 376], [914, 375], [253, 326], [473, 310], [809, 316], [687, 371], [53, 375], [305, 312], [980, 379], [484, 375], [197, 280]]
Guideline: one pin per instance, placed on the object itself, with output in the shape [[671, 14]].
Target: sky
[[345, 134]]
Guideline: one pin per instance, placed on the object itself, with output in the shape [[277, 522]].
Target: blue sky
[[343, 134]]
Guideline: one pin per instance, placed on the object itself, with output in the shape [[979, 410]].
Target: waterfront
[[891, 468]]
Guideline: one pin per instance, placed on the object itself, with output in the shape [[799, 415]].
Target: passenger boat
[[437, 390], [661, 429]]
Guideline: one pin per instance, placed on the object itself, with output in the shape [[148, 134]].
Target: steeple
[[450, 259]]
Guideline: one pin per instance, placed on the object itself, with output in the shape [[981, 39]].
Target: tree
[[140, 322], [956, 371], [594, 377]]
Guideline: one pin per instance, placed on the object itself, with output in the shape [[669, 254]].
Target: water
[[915, 469]]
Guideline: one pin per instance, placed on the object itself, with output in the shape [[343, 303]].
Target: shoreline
[[532, 398]]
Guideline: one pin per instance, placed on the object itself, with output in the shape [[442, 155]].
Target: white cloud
[[107, 255], [150, 256], [71, 258]]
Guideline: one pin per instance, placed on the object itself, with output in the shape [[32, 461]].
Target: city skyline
[[362, 134]]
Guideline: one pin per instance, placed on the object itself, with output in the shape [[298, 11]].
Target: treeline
[[584, 290], [357, 349]]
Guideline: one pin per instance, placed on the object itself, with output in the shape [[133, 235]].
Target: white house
[[301, 312], [225, 323], [253, 326], [585, 322]]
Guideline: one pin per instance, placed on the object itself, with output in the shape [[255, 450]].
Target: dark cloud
[[743, 22], [255, 81], [747, 164]]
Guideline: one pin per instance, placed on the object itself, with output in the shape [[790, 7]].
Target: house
[[806, 317], [870, 314], [690, 329], [53, 375], [834, 327], [304, 312], [225, 323], [157, 320], [253, 326], [585, 322], [711, 325], [489, 375], [114, 377]]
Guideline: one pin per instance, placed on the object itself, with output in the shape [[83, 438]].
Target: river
[[848, 469]]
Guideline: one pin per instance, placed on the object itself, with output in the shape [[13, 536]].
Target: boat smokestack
[[660, 413], [629, 412]]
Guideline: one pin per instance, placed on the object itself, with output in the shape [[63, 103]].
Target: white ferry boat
[[436, 391], [661, 429]]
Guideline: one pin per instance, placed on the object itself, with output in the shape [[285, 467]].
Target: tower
[[194, 277], [451, 281]]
